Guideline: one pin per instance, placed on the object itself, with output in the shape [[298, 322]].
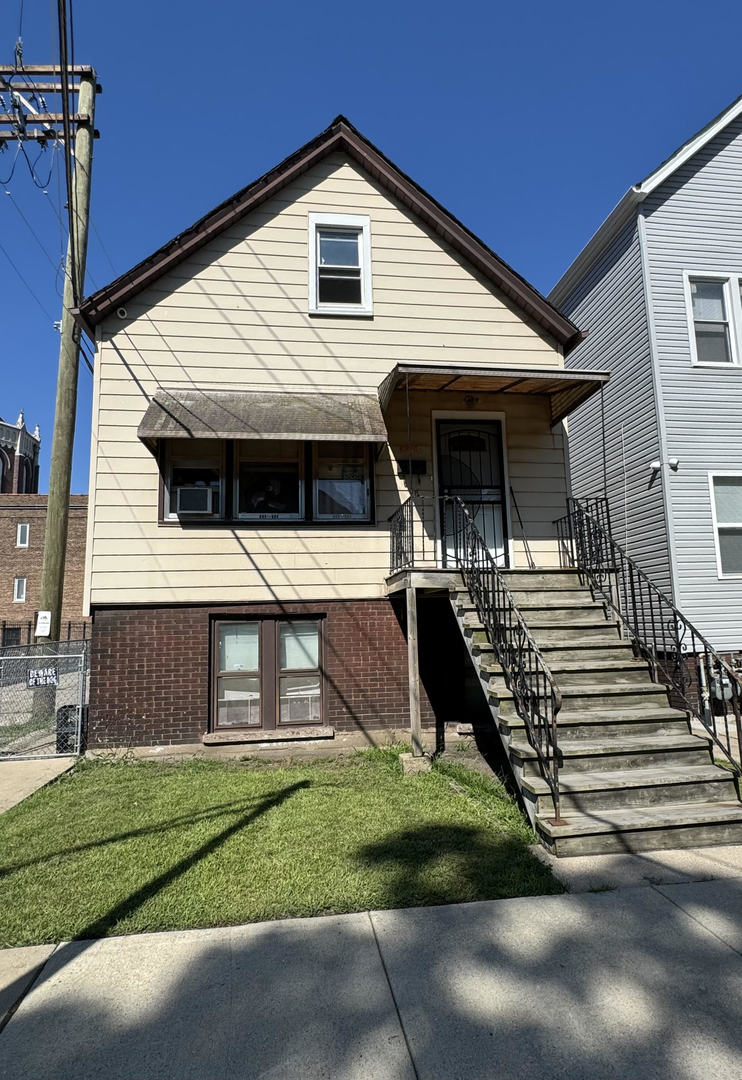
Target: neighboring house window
[[726, 502], [267, 673], [19, 590], [21, 536], [714, 318], [194, 480], [340, 264]]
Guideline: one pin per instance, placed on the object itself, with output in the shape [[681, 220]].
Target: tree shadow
[[597, 987], [444, 864]]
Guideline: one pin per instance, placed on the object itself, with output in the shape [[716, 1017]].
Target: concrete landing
[[591, 873], [19, 779]]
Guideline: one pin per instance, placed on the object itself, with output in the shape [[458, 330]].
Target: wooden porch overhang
[[428, 579], [566, 389]]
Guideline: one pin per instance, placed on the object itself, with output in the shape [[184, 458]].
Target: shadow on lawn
[[481, 866], [197, 817], [100, 927]]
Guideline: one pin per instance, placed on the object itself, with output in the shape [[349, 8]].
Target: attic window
[[339, 264]]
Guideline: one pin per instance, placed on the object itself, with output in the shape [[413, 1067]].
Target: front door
[[470, 465]]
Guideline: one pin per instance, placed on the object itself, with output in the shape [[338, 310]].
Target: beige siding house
[[270, 388]]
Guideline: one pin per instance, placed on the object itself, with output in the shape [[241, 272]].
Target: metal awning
[[565, 388], [228, 414]]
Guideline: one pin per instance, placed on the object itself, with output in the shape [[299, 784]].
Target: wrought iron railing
[[699, 679], [415, 532]]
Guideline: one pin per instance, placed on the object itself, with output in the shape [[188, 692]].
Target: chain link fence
[[43, 699]]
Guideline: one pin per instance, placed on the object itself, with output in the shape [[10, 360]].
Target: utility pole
[[65, 409], [57, 515]]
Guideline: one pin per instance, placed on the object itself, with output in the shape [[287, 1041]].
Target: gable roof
[[339, 136], [624, 209]]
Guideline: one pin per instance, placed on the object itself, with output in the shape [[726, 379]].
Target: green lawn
[[128, 847]]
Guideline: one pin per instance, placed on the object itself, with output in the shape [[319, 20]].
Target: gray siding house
[[658, 290]]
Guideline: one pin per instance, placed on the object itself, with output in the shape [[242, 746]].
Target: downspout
[[659, 406]]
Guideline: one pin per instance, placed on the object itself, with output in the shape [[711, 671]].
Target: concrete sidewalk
[[19, 778], [643, 982]]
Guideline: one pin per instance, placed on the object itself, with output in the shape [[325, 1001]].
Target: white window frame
[[732, 282], [359, 223], [19, 590], [722, 524], [19, 543]]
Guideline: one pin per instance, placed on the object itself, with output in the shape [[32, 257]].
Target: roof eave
[[340, 135], [596, 245]]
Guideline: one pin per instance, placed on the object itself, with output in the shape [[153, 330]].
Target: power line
[[33, 232], [29, 287], [65, 80]]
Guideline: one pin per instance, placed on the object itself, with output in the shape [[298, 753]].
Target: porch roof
[[226, 414], [566, 389]]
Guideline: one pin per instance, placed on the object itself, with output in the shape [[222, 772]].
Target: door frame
[[467, 414]]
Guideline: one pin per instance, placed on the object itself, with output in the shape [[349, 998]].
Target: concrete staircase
[[633, 775]]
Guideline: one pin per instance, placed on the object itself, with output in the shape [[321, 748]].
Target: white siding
[[234, 316], [609, 304], [694, 222]]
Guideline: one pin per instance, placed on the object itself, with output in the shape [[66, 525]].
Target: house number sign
[[45, 676]]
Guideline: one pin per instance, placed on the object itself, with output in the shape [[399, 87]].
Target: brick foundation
[[150, 669]]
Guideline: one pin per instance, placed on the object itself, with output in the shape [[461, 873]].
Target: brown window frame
[[229, 495], [269, 671]]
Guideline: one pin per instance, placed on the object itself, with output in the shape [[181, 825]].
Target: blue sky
[[528, 121]]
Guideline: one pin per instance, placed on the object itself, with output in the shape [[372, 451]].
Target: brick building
[[22, 527]]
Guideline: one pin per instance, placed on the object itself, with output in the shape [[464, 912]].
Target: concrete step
[[599, 631], [614, 753], [619, 723], [531, 599], [582, 699], [587, 652], [574, 616], [623, 788], [541, 579], [651, 828]]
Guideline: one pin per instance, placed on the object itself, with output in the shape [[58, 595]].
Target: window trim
[[270, 670], [732, 283], [360, 223], [17, 598], [722, 525], [22, 525]]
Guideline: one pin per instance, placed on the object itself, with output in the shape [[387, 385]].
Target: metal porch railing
[[441, 531], [699, 679]]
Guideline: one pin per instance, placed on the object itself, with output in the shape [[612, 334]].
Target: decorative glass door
[[470, 465]]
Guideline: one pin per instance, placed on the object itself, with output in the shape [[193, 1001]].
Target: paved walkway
[[640, 982], [19, 779]]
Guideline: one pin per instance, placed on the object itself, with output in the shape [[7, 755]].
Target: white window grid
[[19, 590], [722, 524], [732, 284], [21, 535], [359, 223]]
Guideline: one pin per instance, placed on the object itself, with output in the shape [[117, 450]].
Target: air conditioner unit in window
[[193, 500]]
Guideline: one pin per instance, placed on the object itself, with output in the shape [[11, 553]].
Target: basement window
[[340, 264], [267, 673]]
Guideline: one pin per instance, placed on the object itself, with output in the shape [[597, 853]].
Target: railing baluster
[[658, 631]]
